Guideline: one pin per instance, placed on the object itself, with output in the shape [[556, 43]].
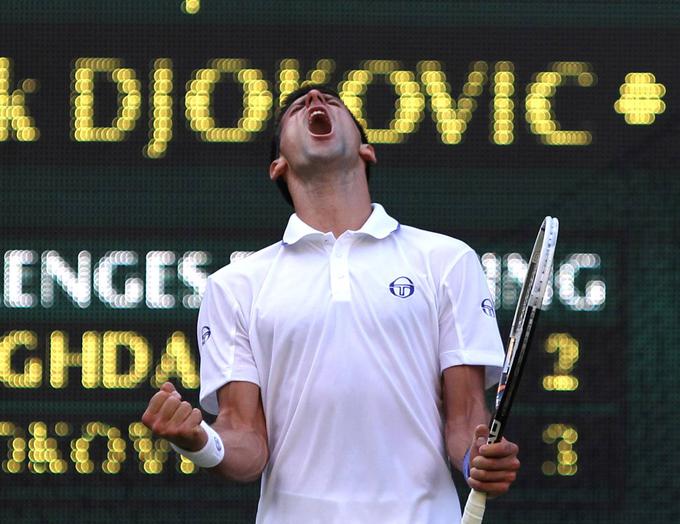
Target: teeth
[[317, 112]]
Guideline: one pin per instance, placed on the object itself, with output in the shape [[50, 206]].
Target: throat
[[320, 125]]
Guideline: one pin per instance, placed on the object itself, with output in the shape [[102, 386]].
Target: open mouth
[[319, 123]]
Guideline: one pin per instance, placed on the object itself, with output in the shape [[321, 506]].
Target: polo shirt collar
[[379, 225]]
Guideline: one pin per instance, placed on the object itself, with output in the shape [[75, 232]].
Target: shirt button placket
[[340, 268]]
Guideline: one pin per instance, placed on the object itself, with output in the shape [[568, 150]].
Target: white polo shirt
[[347, 339]]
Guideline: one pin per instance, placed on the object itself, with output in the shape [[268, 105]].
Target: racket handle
[[474, 508]]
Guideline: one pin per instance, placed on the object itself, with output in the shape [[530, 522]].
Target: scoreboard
[[134, 147]]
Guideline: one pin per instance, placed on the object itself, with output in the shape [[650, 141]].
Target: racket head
[[544, 251], [524, 321], [536, 279]]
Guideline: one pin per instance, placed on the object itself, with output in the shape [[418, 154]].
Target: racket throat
[[495, 431]]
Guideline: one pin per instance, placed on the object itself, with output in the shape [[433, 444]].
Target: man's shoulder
[[432, 242], [246, 265]]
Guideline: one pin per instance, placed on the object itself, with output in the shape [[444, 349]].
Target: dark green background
[[617, 197]]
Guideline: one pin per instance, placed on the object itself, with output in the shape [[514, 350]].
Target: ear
[[277, 168], [367, 154]]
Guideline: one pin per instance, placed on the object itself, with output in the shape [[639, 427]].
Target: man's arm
[[240, 424], [492, 467]]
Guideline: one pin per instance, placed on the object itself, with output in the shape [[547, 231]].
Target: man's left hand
[[493, 467]]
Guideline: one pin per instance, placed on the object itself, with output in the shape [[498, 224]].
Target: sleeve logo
[[205, 335], [487, 308]]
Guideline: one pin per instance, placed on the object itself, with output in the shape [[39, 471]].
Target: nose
[[313, 97]]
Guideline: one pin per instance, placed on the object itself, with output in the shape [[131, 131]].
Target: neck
[[335, 202]]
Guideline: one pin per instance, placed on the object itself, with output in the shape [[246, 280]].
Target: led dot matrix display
[[134, 144]]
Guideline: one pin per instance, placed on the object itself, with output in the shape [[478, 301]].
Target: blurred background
[[134, 147]]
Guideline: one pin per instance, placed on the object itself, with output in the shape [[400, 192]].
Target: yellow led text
[[539, 106], [566, 349], [289, 75], [257, 100], [99, 358], [129, 100], [15, 120], [409, 105], [96, 447], [563, 437]]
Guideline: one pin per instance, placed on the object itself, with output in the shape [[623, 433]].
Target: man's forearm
[[459, 432], [465, 409], [245, 454]]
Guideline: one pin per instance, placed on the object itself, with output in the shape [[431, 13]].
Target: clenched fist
[[171, 418]]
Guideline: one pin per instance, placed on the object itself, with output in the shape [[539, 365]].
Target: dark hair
[[276, 140]]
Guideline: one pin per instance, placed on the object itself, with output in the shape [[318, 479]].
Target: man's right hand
[[173, 419]]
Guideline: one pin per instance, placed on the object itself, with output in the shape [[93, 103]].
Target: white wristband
[[209, 455]]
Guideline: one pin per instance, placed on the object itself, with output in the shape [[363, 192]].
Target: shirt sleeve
[[224, 345], [468, 331]]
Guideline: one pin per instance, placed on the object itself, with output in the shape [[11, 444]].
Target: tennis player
[[347, 363]]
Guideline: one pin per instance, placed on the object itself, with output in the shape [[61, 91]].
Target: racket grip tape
[[474, 508]]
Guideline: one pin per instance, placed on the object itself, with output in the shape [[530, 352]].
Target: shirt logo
[[205, 335], [487, 307], [402, 287]]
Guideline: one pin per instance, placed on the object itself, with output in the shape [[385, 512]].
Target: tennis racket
[[523, 324]]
